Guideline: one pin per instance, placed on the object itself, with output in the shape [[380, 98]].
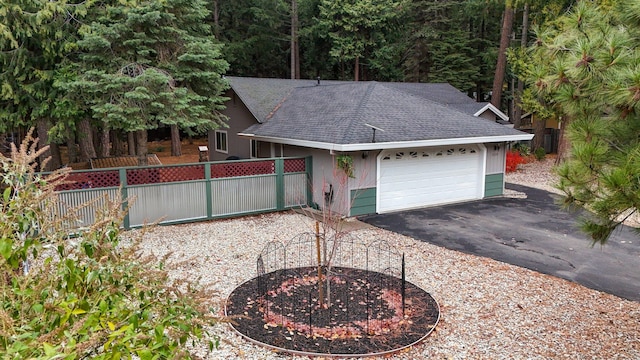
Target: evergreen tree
[[451, 41], [35, 36], [586, 68], [150, 64], [360, 30]]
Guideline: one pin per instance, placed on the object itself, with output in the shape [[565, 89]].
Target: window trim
[[226, 142], [253, 149]]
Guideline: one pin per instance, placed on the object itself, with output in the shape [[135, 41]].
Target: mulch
[[367, 314]]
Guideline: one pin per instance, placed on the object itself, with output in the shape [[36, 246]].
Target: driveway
[[533, 233]]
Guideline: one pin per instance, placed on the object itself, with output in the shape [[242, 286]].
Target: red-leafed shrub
[[513, 160]]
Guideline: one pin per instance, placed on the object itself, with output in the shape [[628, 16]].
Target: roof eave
[[389, 145]]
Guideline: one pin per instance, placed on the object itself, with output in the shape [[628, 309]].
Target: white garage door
[[412, 178]]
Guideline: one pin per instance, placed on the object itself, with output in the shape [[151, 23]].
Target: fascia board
[[389, 145]]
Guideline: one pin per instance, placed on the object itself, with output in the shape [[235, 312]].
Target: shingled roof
[[341, 113]]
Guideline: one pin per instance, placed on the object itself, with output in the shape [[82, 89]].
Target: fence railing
[[190, 192]]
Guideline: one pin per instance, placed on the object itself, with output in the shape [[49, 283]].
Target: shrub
[[513, 160], [88, 296], [523, 149], [540, 153]]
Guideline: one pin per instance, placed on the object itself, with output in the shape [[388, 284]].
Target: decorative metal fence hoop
[[348, 298]]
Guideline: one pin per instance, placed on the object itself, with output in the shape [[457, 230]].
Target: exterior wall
[[493, 185], [326, 177], [494, 175], [489, 115], [240, 118], [363, 201], [496, 156]]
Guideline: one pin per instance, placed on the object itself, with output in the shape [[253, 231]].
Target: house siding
[[363, 202], [495, 158], [493, 185], [240, 118]]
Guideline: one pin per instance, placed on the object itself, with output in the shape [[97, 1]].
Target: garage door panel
[[421, 177]]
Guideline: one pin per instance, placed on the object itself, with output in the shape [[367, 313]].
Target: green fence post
[[308, 165], [279, 164], [122, 173], [207, 177]]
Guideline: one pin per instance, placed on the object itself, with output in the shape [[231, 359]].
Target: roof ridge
[[279, 104]]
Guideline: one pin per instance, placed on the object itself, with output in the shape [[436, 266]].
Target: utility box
[[203, 151]]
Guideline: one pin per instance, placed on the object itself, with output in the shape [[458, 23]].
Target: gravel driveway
[[489, 309]]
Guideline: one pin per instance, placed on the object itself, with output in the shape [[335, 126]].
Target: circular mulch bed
[[367, 315]]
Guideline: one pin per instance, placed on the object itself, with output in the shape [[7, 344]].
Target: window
[[254, 149], [221, 141]]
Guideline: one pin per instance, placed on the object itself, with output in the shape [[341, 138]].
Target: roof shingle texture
[[337, 111]]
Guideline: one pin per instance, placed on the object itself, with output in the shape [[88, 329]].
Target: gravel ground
[[489, 309]]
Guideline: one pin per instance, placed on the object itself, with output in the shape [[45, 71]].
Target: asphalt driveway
[[533, 233]]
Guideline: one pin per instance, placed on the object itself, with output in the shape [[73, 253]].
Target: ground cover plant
[[88, 295]]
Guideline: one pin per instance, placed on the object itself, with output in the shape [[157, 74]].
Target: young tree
[[585, 66]]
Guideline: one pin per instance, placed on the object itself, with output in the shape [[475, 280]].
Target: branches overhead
[[585, 67]]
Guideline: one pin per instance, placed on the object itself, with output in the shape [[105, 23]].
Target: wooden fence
[[191, 192]]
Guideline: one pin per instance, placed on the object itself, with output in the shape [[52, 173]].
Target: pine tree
[[586, 68], [35, 36], [151, 64]]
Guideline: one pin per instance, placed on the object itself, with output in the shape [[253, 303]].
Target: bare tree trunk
[[216, 19], [56, 156], [501, 65], [564, 145], [131, 143], [104, 143], [517, 114], [176, 144], [85, 140], [72, 149], [50, 159], [118, 144], [142, 148], [538, 131], [357, 69], [295, 58]]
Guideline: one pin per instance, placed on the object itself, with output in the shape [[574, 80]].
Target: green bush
[[540, 153], [88, 296], [522, 149]]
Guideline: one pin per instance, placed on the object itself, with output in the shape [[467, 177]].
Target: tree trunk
[[538, 131], [176, 144], [118, 144], [501, 65], [517, 113], [295, 57], [564, 145], [131, 143], [216, 19], [357, 69], [50, 159], [105, 143], [72, 149], [85, 140], [142, 148]]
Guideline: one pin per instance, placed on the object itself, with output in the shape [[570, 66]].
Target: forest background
[[95, 76]]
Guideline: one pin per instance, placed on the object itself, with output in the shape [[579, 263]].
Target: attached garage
[[412, 178]]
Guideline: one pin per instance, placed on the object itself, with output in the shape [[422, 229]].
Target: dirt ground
[[162, 149]]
